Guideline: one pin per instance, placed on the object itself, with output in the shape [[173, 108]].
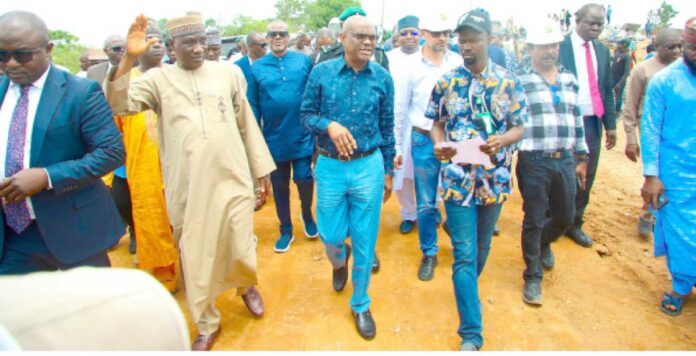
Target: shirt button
[[283, 78], [354, 78], [353, 93]]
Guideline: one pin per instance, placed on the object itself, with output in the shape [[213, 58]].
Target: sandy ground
[[591, 301]]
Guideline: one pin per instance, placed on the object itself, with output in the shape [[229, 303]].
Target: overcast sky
[[93, 20]]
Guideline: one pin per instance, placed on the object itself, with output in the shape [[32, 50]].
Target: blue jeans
[[280, 180], [426, 170], [349, 201], [471, 232]]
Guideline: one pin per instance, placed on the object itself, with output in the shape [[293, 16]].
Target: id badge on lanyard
[[481, 114]]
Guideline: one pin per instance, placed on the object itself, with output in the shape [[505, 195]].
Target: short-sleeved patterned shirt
[[456, 100]]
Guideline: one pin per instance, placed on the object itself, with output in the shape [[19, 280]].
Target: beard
[[690, 64]]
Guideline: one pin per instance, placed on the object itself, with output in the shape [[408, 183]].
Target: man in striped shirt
[[552, 153]]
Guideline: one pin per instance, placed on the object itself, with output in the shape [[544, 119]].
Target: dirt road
[[590, 302]]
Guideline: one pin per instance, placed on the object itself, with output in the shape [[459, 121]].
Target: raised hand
[[137, 44]]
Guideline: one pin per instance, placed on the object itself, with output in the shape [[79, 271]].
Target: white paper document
[[468, 152]]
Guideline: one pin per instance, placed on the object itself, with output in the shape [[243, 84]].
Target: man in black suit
[[590, 60]]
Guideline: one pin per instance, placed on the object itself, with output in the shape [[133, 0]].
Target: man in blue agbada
[[668, 137], [275, 94]]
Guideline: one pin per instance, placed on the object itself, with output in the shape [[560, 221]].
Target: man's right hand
[[652, 188], [342, 139], [445, 153], [632, 152], [136, 42], [398, 161]]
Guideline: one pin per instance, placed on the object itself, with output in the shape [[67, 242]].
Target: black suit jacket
[[567, 59]]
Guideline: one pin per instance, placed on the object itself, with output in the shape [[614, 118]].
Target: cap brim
[[476, 28]]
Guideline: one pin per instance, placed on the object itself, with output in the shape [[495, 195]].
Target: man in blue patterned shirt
[[349, 105], [478, 100], [552, 153]]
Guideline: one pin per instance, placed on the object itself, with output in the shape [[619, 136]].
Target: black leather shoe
[[375, 264], [547, 259], [365, 325], [340, 275], [532, 293], [579, 237], [426, 271]]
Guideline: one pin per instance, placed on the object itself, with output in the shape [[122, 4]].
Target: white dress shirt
[[6, 111], [414, 80], [584, 97]]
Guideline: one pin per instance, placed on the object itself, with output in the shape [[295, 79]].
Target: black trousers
[[121, 194], [593, 137], [548, 190]]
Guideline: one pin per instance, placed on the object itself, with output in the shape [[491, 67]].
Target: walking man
[[552, 153], [348, 105], [275, 94]]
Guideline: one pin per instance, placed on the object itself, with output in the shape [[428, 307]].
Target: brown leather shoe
[[205, 343], [252, 300]]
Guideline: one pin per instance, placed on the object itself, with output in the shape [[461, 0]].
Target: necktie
[[17, 215], [597, 104]]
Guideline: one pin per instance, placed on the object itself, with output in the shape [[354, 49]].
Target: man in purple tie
[[57, 138], [587, 58]]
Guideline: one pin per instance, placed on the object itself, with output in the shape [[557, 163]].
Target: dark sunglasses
[[406, 33], [363, 36], [20, 55], [262, 45], [437, 34], [118, 48], [273, 34], [555, 90]]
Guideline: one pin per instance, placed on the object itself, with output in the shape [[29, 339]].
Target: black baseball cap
[[477, 19]]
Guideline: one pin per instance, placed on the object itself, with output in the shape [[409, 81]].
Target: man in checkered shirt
[[553, 154]]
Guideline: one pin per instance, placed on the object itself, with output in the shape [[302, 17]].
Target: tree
[[66, 49], [292, 11], [242, 25], [320, 12], [665, 14]]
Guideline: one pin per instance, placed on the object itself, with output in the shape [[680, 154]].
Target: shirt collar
[[39, 83], [577, 40], [342, 65]]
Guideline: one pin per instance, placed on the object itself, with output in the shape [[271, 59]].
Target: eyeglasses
[[364, 36], [117, 49], [262, 45], [437, 34], [273, 34], [405, 33], [555, 91], [20, 55]]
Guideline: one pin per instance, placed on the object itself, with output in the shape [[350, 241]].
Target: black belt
[[549, 155], [421, 131], [337, 156]]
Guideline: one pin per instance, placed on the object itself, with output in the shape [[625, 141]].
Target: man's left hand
[[387, 187], [611, 139], [493, 145], [24, 184]]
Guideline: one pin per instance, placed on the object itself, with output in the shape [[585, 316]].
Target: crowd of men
[[190, 146]]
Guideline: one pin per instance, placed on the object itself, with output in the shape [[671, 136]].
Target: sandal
[[672, 305]]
